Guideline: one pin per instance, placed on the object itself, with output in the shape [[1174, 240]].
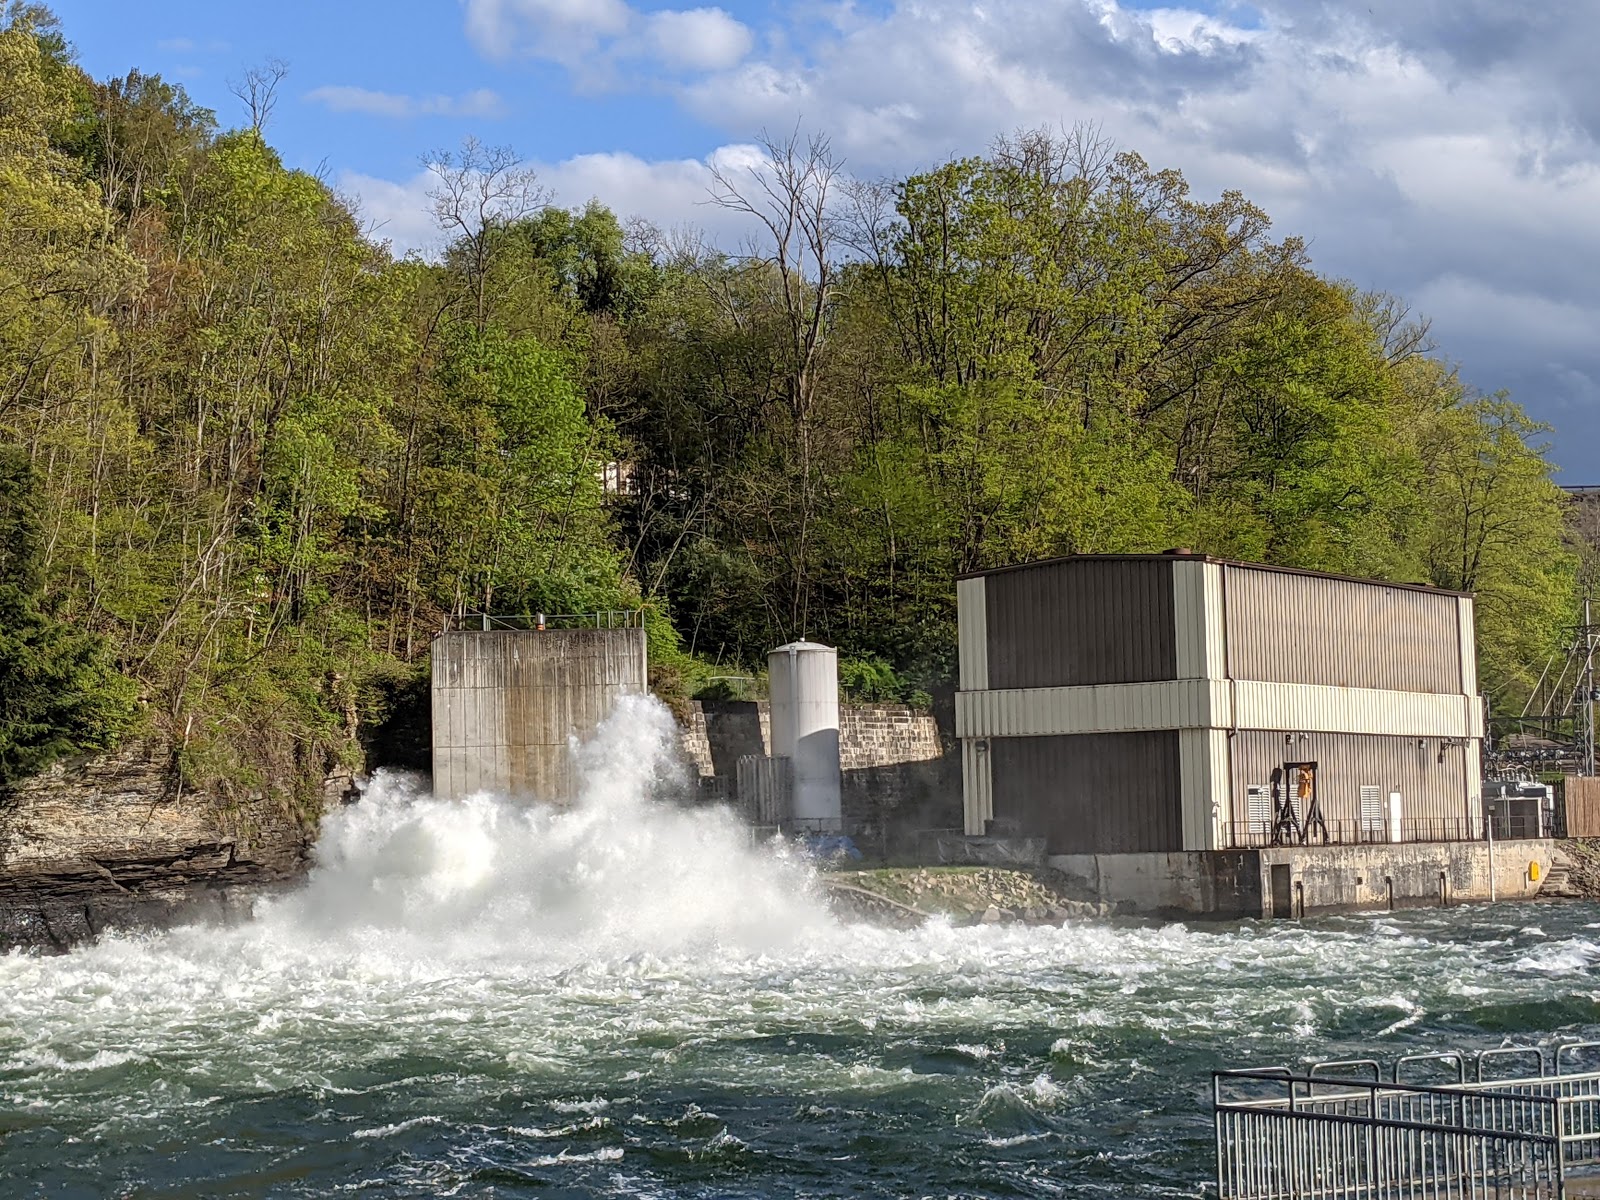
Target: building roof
[[1172, 556]]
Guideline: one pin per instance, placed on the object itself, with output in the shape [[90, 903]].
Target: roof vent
[[1179, 551]]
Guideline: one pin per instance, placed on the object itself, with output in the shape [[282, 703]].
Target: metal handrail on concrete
[[1341, 1132], [629, 618], [1259, 835]]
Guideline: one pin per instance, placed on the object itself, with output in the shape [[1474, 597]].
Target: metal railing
[[629, 618], [1342, 1132], [1259, 835]]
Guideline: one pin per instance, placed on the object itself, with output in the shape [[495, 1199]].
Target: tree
[[58, 693], [478, 192], [1496, 528], [258, 91]]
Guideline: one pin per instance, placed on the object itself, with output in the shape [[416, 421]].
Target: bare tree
[[476, 191], [259, 90], [790, 193], [1082, 153]]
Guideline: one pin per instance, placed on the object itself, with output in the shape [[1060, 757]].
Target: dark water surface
[[622, 1000], [990, 1062]]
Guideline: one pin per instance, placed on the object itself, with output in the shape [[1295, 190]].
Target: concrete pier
[[508, 702]]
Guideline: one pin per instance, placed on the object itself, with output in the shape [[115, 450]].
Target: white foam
[[447, 948]]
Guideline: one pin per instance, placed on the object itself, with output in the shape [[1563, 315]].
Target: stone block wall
[[901, 775]]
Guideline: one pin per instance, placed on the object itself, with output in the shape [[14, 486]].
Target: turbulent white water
[[629, 998]]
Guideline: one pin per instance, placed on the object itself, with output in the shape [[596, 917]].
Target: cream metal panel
[[972, 633], [1308, 709], [1216, 704], [1100, 708], [1469, 645], [1286, 627], [977, 785], [1197, 619], [1203, 769], [1434, 780]]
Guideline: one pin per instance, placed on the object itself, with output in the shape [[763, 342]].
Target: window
[[1258, 808], [1371, 813]]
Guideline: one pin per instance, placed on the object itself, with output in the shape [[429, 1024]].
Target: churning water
[[626, 999]]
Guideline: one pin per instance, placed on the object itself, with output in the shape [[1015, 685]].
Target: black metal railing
[[1258, 835], [629, 618]]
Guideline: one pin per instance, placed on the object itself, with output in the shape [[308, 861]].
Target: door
[[1282, 899]]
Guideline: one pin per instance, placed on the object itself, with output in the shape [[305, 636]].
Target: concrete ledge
[[1292, 881]]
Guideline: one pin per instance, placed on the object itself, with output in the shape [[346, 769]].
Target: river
[[627, 999]]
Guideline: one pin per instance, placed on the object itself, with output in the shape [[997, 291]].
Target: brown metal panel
[[1091, 793], [1081, 621], [1286, 627], [1430, 789]]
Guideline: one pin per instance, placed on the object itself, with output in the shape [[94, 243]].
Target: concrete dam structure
[[507, 702]]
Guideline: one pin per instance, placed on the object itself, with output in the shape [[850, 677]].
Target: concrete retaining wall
[[506, 704], [1311, 879]]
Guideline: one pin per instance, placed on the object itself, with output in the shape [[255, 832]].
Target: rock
[[111, 840], [991, 915]]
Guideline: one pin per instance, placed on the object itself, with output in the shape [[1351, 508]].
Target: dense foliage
[[260, 459]]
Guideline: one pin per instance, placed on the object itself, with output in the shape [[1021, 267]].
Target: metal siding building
[[1149, 702]]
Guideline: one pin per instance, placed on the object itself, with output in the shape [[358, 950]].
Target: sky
[[1445, 151]]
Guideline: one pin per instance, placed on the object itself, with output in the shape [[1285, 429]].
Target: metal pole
[[1588, 691], [1490, 823]]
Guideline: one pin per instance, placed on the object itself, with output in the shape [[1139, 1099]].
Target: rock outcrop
[[964, 895], [113, 840]]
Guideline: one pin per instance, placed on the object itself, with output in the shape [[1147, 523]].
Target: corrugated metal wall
[[1092, 793], [1430, 790], [1290, 628], [506, 702], [1080, 622]]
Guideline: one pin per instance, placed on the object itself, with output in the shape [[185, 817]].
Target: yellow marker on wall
[[1533, 872]]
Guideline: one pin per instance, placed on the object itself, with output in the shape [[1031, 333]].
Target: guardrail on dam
[[510, 693]]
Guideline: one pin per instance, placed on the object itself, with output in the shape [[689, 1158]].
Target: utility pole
[[1588, 690]]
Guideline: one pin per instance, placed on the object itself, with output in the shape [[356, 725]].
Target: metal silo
[[804, 682]]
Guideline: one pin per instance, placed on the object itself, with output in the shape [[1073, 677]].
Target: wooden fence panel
[[1581, 804]]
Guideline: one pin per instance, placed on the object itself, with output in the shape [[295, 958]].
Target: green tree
[[59, 694]]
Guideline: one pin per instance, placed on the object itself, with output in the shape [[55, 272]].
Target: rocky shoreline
[[960, 895], [114, 841]]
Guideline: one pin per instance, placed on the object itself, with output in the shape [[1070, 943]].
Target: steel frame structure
[[1340, 1131]]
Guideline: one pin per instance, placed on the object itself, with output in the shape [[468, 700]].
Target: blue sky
[[1447, 151]]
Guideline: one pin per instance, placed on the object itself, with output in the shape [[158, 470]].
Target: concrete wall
[[507, 703], [1239, 883], [1345, 878], [1222, 884]]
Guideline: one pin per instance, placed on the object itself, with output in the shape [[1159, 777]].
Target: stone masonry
[[899, 775]]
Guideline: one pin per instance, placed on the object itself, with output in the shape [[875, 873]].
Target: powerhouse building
[[1145, 703]]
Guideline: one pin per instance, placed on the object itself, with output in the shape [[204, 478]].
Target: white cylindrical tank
[[803, 678]]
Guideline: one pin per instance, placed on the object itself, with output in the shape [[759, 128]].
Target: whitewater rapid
[[631, 997]]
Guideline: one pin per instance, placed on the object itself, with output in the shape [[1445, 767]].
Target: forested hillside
[[250, 460]]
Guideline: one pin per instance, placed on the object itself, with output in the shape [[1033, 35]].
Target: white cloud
[[183, 45], [592, 38], [562, 30], [1445, 150], [479, 103], [671, 193], [699, 39]]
